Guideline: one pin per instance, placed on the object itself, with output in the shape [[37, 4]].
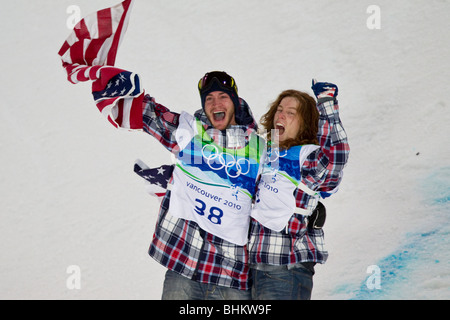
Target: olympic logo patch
[[233, 166]]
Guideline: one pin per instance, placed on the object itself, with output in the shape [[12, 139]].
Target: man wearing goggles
[[220, 101], [202, 238]]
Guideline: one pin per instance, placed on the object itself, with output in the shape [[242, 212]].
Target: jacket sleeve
[[323, 168], [160, 122]]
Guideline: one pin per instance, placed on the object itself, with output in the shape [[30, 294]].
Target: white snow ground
[[70, 197]]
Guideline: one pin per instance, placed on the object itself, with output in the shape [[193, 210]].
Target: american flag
[[89, 53], [157, 178]]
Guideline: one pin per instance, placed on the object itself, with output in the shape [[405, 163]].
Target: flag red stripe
[[119, 118], [115, 44], [105, 30], [93, 49], [64, 48], [112, 121], [93, 72], [77, 49], [103, 104], [76, 53], [136, 113], [81, 30], [104, 23]]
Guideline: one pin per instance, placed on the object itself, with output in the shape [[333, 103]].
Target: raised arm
[[160, 122], [323, 168]]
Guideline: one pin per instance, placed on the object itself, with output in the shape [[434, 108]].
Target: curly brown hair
[[306, 110]]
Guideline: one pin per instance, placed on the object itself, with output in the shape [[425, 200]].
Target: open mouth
[[280, 127], [219, 116]]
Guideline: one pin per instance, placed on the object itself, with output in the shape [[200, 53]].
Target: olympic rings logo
[[218, 160]]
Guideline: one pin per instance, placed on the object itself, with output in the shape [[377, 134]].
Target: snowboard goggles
[[226, 81]]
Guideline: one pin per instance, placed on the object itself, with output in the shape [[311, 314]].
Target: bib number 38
[[215, 214]]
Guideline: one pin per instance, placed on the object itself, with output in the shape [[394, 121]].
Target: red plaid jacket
[[322, 171], [181, 245]]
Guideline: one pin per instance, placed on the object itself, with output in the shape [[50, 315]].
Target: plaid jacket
[[181, 245], [322, 171]]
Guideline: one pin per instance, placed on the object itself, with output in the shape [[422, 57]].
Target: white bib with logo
[[214, 186], [275, 201]]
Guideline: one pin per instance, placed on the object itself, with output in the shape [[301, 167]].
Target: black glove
[[317, 218]]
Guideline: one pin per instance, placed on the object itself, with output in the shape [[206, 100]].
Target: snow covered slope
[[70, 197]]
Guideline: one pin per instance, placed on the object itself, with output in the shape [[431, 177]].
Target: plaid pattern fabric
[[160, 122], [181, 245], [322, 171], [297, 243]]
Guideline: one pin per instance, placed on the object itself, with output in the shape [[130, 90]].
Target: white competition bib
[[214, 186], [218, 209], [275, 201]]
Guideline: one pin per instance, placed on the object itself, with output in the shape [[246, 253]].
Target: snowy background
[[69, 196]]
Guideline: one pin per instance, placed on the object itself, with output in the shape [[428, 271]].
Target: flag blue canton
[[123, 84], [159, 176]]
